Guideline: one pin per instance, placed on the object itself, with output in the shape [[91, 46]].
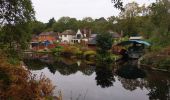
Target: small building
[[135, 37]]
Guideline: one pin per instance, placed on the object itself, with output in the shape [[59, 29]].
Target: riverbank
[[17, 83], [159, 60]]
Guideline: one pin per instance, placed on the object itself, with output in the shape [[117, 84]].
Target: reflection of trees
[[86, 69], [104, 75], [34, 64], [158, 86], [71, 68], [158, 83], [132, 84], [65, 69], [130, 70], [129, 75]]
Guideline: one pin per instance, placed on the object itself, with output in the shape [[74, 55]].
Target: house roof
[[93, 35], [92, 39], [79, 32], [68, 32], [115, 35], [48, 33]]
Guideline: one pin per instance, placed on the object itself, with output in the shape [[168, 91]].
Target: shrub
[[71, 50], [18, 83], [88, 53]]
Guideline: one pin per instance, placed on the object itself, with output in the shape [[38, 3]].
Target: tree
[[37, 27], [131, 10], [64, 19], [111, 19], [118, 4], [65, 23], [15, 18], [50, 23], [88, 19], [15, 11], [104, 41]]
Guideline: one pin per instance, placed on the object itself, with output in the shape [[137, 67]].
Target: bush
[[17, 83], [89, 54], [57, 50], [71, 51]]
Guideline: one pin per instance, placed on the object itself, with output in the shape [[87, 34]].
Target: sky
[[47, 9]]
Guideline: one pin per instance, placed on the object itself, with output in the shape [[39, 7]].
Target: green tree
[[104, 41], [50, 23], [37, 27], [15, 11], [118, 4], [65, 23], [15, 18]]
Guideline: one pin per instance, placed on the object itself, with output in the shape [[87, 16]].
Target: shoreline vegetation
[[159, 60], [156, 60], [17, 83]]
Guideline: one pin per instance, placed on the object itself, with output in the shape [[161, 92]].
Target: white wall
[[68, 38]]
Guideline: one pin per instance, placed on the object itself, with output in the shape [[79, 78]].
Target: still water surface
[[81, 80]]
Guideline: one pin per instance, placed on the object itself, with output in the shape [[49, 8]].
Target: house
[[48, 36], [70, 36], [80, 37], [116, 37], [92, 41], [43, 40], [67, 36]]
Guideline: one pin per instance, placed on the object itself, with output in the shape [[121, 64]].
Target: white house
[[79, 37], [67, 36], [70, 36]]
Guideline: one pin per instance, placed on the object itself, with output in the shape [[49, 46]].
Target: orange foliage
[[19, 84]]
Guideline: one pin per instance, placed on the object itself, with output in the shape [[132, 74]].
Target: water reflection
[[104, 76], [156, 84], [130, 70]]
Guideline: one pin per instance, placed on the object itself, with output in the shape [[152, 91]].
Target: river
[[84, 80]]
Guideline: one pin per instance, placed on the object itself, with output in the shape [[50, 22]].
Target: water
[[82, 80]]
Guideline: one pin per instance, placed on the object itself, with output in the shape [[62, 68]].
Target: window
[[78, 36]]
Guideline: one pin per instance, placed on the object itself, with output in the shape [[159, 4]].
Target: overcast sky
[[46, 9]]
